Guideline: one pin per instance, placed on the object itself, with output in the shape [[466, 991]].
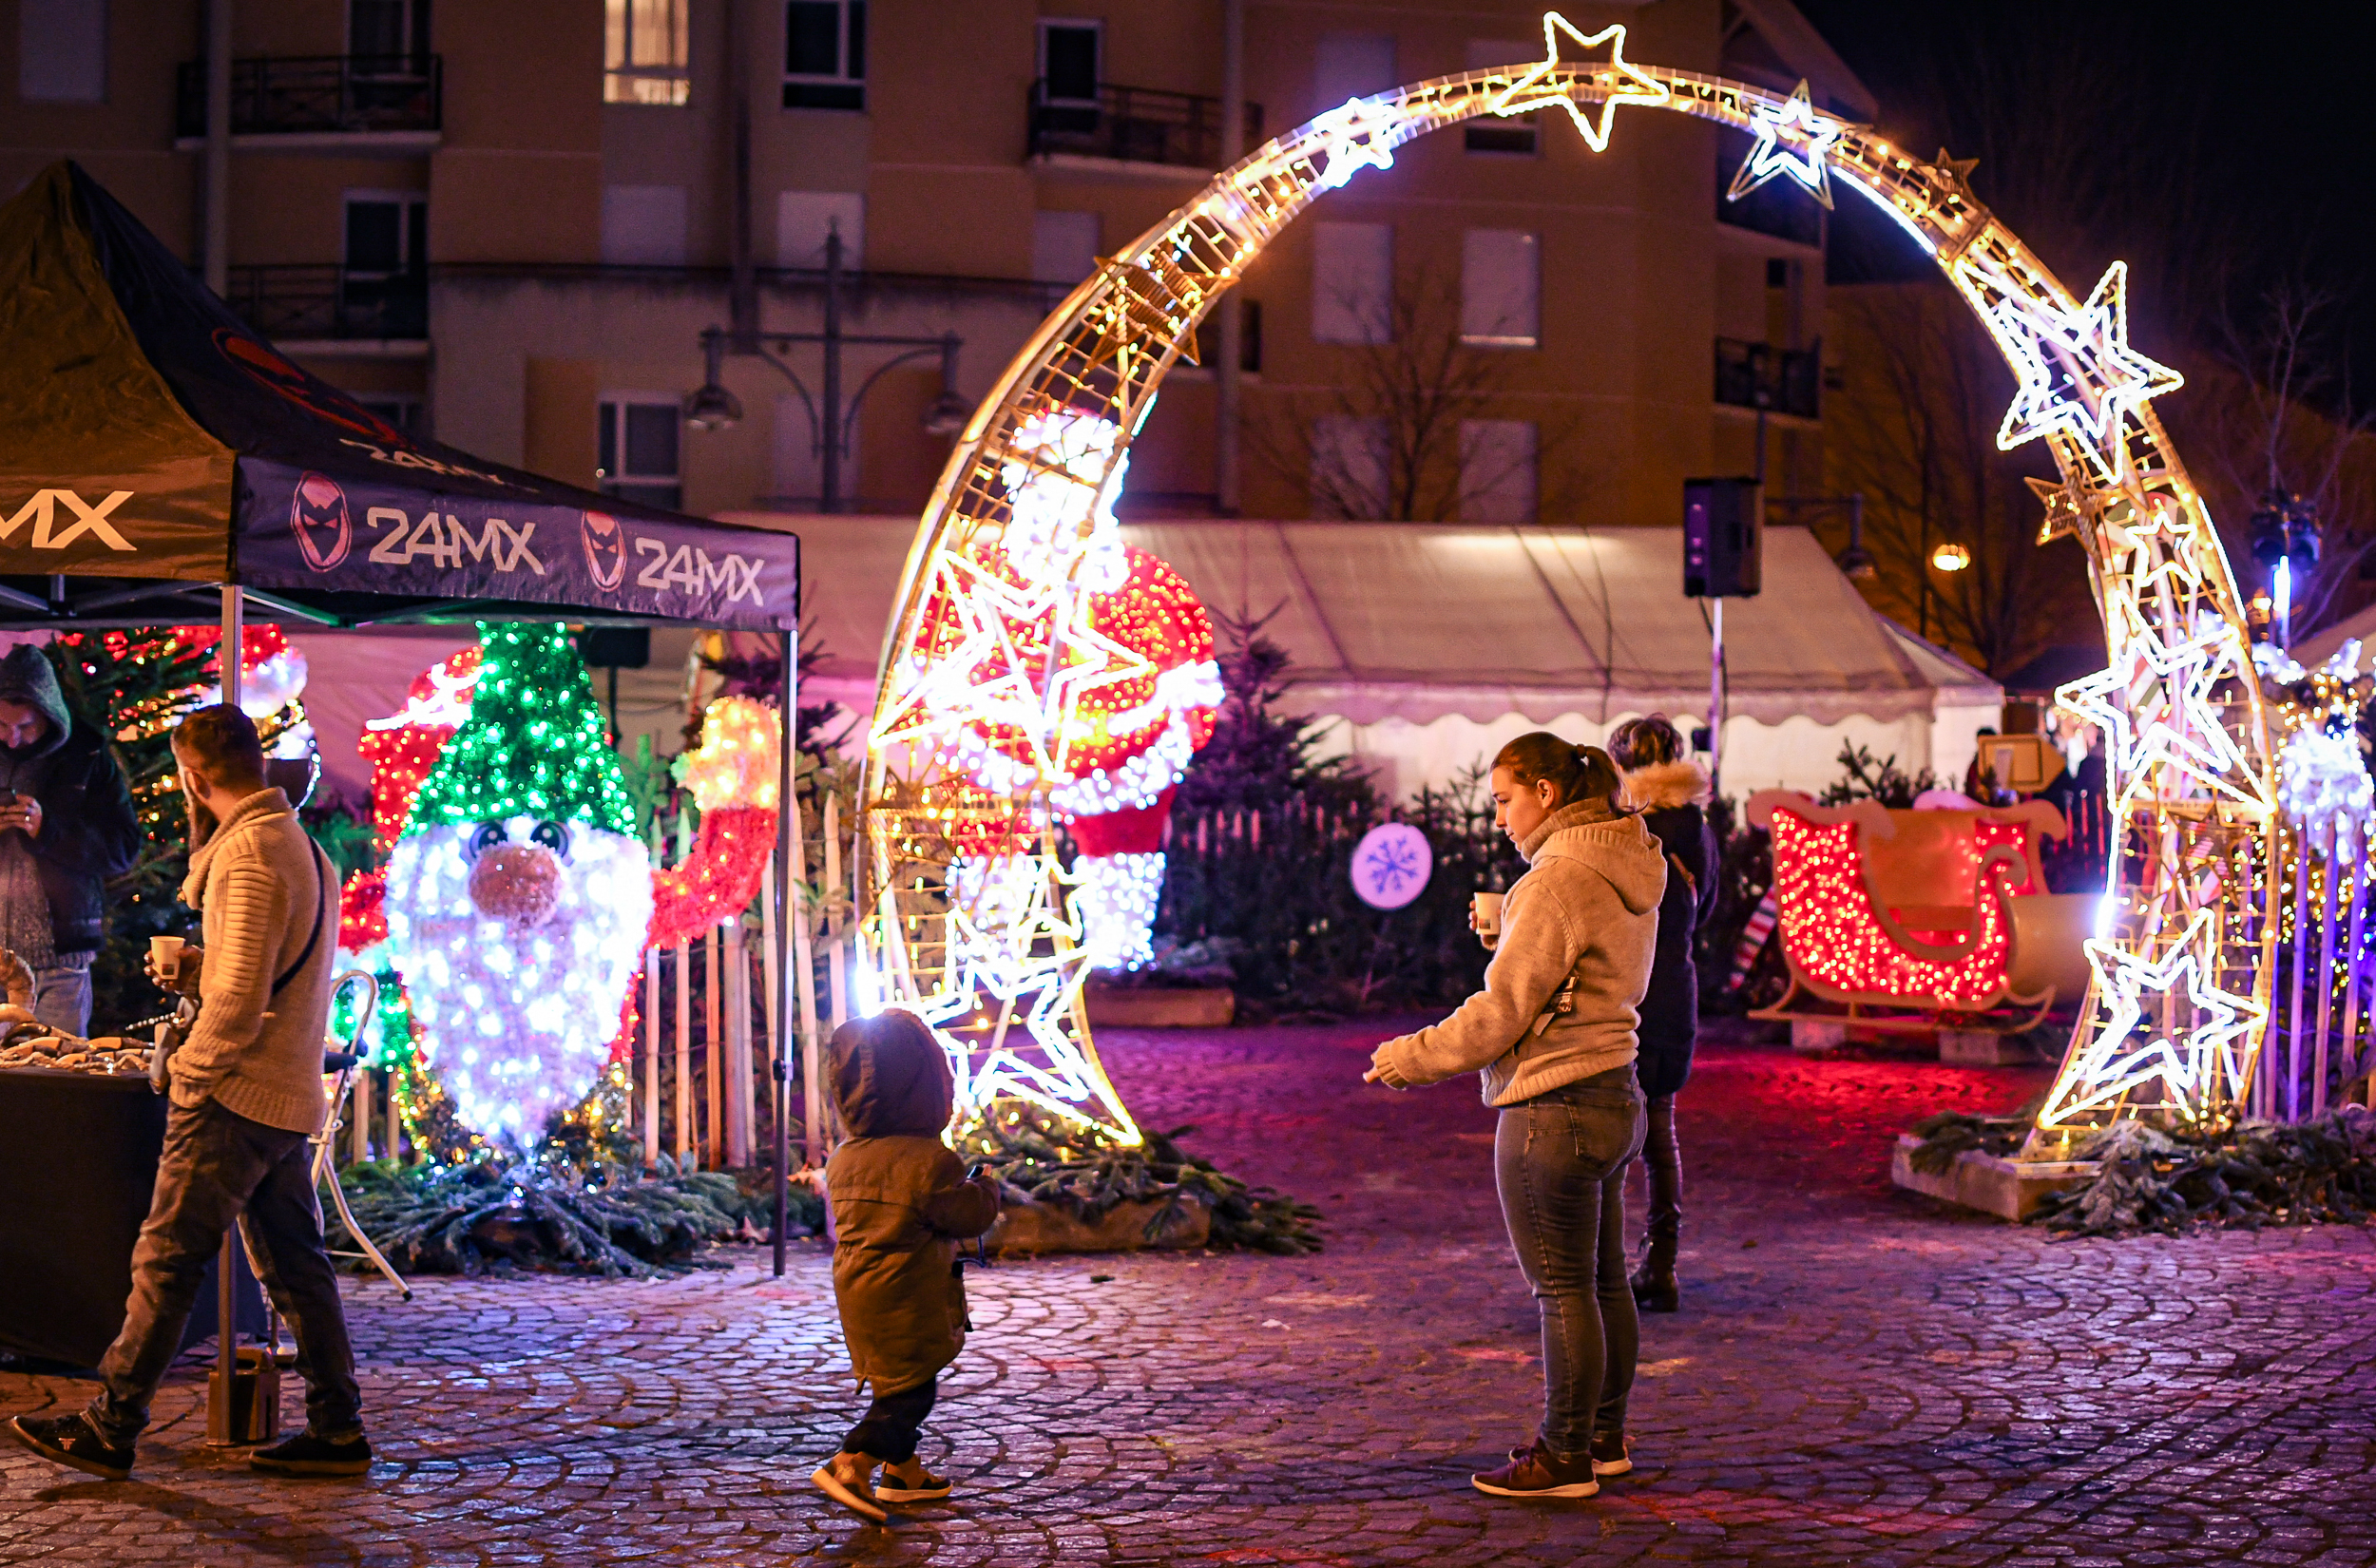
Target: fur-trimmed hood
[[1663, 785]]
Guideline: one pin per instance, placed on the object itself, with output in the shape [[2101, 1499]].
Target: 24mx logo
[[445, 542], [695, 572], [41, 510]]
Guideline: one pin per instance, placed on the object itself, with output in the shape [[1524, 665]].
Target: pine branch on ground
[[2255, 1174], [1066, 1167]]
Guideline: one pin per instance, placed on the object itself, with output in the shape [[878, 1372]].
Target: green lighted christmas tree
[[535, 745]]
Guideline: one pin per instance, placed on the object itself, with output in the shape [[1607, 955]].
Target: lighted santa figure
[[1122, 744]]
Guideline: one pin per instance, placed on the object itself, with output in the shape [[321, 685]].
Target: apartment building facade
[[509, 224]]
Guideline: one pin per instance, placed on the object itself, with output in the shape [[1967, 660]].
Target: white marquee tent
[[1426, 645]]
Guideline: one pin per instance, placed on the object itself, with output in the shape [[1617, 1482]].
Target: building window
[[1352, 282], [636, 458], [1248, 338], [62, 52], [825, 54], [1496, 470], [1499, 289], [1352, 65], [1069, 62], [387, 233], [391, 31], [1063, 247], [643, 225], [646, 51], [803, 218], [1349, 466], [1516, 136]]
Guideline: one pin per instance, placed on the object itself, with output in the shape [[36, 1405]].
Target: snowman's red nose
[[518, 883]]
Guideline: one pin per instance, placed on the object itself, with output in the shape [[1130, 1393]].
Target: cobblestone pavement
[[1858, 1377]]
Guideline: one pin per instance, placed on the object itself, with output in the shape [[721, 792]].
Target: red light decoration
[[403, 747], [718, 880], [1836, 939]]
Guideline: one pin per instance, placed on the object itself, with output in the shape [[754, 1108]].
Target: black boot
[[1653, 1283]]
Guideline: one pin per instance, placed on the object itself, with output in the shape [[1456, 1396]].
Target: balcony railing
[[298, 302], [330, 94], [1758, 375], [1135, 126]]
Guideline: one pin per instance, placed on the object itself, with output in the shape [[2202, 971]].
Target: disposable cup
[[1486, 914], [165, 952]]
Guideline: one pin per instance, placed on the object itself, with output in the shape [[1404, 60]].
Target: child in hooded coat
[[901, 1203]]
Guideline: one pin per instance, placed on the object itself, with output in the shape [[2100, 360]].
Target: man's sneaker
[[73, 1441], [1612, 1455], [308, 1454], [844, 1478], [1533, 1473], [920, 1485]]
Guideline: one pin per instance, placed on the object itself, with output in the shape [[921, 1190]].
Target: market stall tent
[[153, 450], [1427, 645]]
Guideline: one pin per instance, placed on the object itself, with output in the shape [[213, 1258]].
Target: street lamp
[[1951, 556], [831, 418]]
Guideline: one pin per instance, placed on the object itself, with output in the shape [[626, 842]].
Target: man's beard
[[518, 1024]]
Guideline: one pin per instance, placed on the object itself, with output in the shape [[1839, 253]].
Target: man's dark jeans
[[893, 1423], [218, 1166], [1559, 1161]]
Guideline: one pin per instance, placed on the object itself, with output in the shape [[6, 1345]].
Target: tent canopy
[[153, 450], [1419, 621]]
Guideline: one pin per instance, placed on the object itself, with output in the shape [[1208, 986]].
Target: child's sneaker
[[1533, 1473], [1612, 1455], [911, 1482], [845, 1478]]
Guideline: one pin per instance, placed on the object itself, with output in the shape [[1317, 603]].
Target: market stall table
[[78, 1160]]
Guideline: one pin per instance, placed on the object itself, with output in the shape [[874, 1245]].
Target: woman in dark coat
[[1669, 790]]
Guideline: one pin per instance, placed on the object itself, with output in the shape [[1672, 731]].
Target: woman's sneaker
[[1532, 1472], [912, 1483], [845, 1478], [1611, 1454], [73, 1441]]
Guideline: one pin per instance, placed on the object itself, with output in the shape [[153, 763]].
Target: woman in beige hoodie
[[1552, 1037]]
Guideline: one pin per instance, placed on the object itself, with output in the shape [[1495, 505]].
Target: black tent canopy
[[154, 451]]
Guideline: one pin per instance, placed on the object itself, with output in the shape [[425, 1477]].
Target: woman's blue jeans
[[1559, 1161]]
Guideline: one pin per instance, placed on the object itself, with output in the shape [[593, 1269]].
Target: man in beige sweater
[[247, 1096]]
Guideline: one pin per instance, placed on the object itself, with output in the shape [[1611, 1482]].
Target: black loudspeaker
[[1724, 538], [615, 647]]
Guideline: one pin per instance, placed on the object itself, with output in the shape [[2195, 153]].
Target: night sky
[[2222, 150]]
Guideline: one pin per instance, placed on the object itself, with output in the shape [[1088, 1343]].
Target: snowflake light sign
[[1392, 865]]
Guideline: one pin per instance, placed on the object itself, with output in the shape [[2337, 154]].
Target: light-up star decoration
[[1549, 83], [1794, 139], [2164, 1020], [2079, 377], [971, 701]]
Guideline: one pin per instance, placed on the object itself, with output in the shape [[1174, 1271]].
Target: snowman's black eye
[[552, 836], [487, 835]]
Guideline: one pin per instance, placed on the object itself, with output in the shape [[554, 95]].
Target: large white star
[[2079, 377], [1542, 86], [1796, 139], [2197, 1041]]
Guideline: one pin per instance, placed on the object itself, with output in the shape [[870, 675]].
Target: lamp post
[[713, 407]]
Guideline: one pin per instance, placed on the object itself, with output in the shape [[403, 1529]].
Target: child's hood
[[891, 1077]]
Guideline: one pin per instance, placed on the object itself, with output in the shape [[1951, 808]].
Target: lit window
[[637, 449], [1500, 288], [825, 54], [645, 51]]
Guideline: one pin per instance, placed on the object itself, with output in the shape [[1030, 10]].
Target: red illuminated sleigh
[[1915, 920]]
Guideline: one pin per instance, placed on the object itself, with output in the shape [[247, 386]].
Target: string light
[[1544, 86], [2189, 761]]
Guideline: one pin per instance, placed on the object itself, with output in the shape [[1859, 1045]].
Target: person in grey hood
[[66, 826], [1552, 1037]]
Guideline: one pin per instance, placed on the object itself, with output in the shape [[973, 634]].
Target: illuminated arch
[[991, 636]]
